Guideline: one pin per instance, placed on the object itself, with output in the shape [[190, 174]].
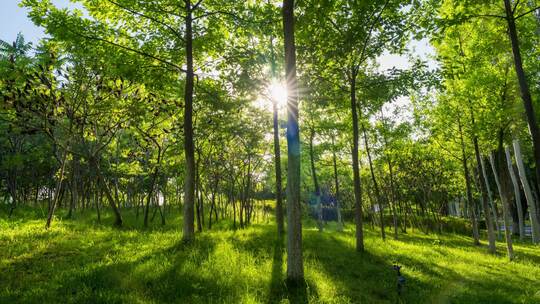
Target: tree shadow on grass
[[262, 242], [130, 221], [157, 276], [277, 283], [280, 288], [448, 240], [182, 283], [148, 279], [480, 283], [361, 277]]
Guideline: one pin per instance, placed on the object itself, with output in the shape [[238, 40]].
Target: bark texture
[[189, 149], [295, 266], [531, 202]]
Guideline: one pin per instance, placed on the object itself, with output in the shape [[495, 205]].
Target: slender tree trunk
[[247, 197], [105, 187], [502, 185], [315, 181], [472, 209], [482, 183], [524, 87], [220, 204], [234, 213], [277, 164], [277, 154], [12, 185], [378, 195], [489, 221], [163, 192], [115, 180], [393, 196], [71, 185], [188, 231], [97, 202], [336, 185], [355, 165], [74, 185], [490, 197], [213, 207], [151, 188], [517, 194], [150, 193], [295, 267], [198, 196], [56, 192], [533, 210], [137, 207], [162, 214]]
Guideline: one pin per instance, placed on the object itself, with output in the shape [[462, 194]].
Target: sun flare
[[278, 93], [274, 92]]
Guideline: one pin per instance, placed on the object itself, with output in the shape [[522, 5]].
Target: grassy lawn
[[78, 261]]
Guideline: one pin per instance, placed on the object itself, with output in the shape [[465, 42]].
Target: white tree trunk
[[490, 196], [505, 205], [528, 193], [517, 194], [461, 207]]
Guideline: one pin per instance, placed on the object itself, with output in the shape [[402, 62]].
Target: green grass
[[78, 261]]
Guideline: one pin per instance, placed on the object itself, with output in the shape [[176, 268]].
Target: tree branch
[[515, 6], [527, 12], [368, 37], [174, 31], [486, 15], [196, 5], [133, 50]]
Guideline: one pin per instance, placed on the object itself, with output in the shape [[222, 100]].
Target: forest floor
[[79, 261]]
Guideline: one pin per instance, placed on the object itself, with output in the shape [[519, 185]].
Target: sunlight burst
[[274, 92], [278, 93]]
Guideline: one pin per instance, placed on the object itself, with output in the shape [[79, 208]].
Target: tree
[[295, 268]]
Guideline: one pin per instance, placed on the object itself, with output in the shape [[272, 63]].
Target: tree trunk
[[74, 185], [105, 187], [247, 197], [524, 87], [295, 267], [336, 185], [483, 189], [188, 231], [150, 193], [163, 192], [315, 181], [468, 188], [277, 154], [277, 164], [533, 210], [393, 196], [490, 197], [213, 207], [375, 185], [198, 196], [504, 191], [12, 187], [56, 192], [97, 202], [355, 166], [517, 194], [482, 183]]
